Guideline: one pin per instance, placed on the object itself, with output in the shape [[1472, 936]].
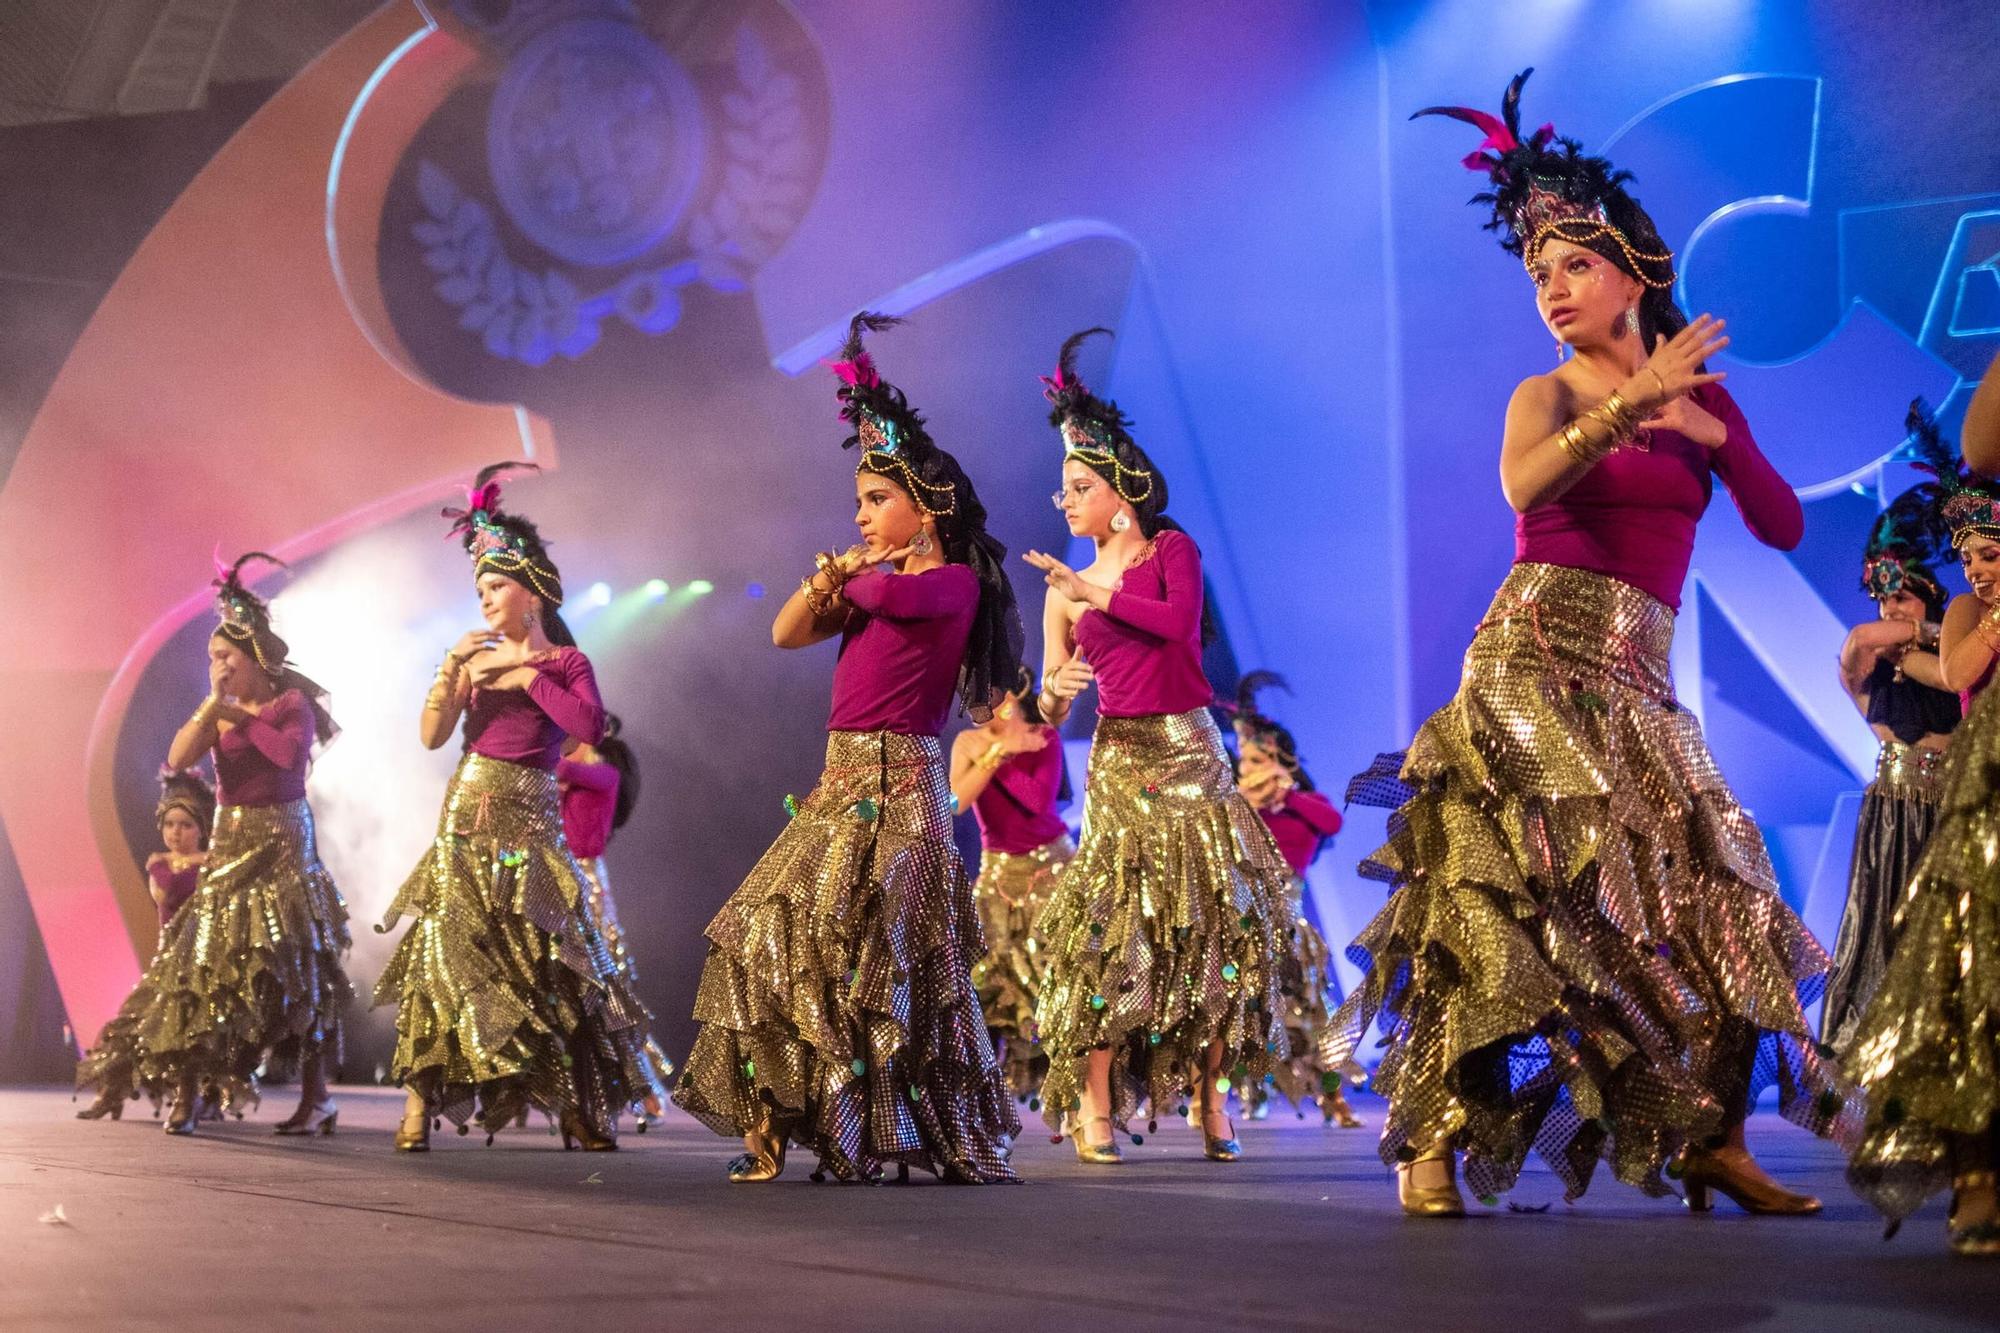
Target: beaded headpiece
[[1254, 727], [504, 543], [1097, 433], [185, 790], [888, 430], [244, 617], [1545, 188], [1903, 544], [1965, 503]]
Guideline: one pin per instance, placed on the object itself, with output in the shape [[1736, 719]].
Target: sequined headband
[[1970, 514], [241, 624], [1084, 439], [882, 453], [1887, 574], [504, 552], [1547, 215]]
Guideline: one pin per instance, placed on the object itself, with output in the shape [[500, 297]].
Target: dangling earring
[[921, 544], [1561, 352], [528, 622], [1121, 521], [1632, 321]]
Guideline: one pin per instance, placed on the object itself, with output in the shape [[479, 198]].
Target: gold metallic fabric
[[655, 1069], [836, 1004], [1305, 981], [1927, 1049], [248, 970], [1898, 812], [1166, 931], [505, 992], [1585, 953], [1012, 889]]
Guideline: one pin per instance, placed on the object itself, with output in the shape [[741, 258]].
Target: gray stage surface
[[236, 1229]]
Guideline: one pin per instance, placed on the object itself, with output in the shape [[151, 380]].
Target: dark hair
[[915, 462], [1031, 711], [187, 791], [245, 622], [618, 754], [1253, 724]]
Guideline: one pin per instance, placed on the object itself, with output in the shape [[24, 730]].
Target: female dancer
[[1891, 670], [1165, 932], [1586, 952], [505, 994], [1302, 821], [600, 785], [836, 1006], [1010, 774], [1927, 1050], [249, 968], [185, 812]]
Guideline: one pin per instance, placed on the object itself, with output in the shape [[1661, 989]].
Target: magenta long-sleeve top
[[1145, 649], [589, 802], [1300, 824], [527, 726], [900, 653], [1017, 810], [1633, 515], [176, 886], [263, 761]]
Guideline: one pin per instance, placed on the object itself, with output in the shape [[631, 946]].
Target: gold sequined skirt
[[1898, 811], [1166, 932], [248, 970], [655, 1069], [837, 997], [1927, 1049], [1012, 888], [1585, 954], [1305, 981], [505, 993]]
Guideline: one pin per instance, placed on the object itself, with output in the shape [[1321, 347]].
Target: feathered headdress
[[185, 790], [1255, 727], [1966, 504], [244, 617], [888, 430], [1904, 544], [504, 543], [1096, 432], [1545, 187]]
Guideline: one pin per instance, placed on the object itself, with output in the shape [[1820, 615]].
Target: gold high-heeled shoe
[[1106, 1153], [1430, 1200], [108, 1103], [1215, 1147], [1733, 1172], [319, 1118], [180, 1120], [577, 1131], [417, 1138], [1979, 1239], [763, 1156]]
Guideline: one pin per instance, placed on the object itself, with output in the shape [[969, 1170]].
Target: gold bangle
[[996, 755], [1658, 379], [1572, 441]]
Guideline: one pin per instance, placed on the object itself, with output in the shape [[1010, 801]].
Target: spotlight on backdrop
[[598, 595], [754, 592], [700, 588], [657, 589]]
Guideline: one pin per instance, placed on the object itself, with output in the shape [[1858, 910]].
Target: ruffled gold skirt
[[248, 970], [1927, 1049], [1898, 812], [654, 1069], [1305, 980], [505, 993], [1012, 889], [837, 1001], [1586, 954], [1166, 932]]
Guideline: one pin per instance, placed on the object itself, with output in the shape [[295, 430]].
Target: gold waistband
[[1908, 770]]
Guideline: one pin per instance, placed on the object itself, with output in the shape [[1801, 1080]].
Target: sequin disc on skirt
[[505, 994], [1012, 889], [1166, 931], [1898, 811], [1586, 953], [654, 1070], [1927, 1049], [836, 1004], [248, 969]]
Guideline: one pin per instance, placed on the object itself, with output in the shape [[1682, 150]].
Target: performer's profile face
[[888, 518], [504, 603], [1981, 560], [1087, 500]]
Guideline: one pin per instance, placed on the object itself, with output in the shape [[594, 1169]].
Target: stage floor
[[235, 1229]]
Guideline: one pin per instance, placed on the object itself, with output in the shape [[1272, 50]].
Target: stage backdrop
[[619, 238]]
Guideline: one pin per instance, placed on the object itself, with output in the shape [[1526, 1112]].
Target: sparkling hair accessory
[[501, 542], [890, 433], [1965, 503], [1093, 429]]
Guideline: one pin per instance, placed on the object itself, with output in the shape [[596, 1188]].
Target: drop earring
[[528, 622], [921, 544], [1632, 321], [1121, 521]]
